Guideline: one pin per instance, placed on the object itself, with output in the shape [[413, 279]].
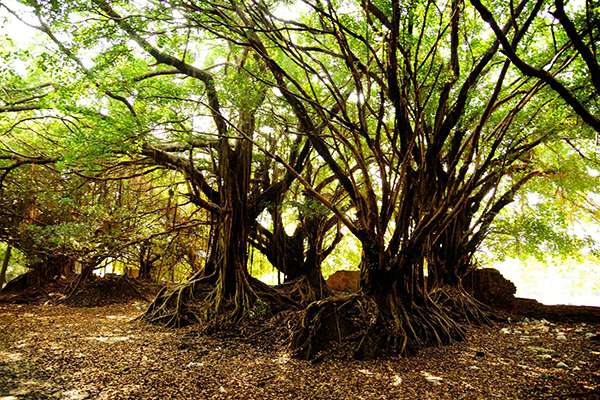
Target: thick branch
[[20, 107], [20, 160], [159, 72], [181, 66], [189, 144], [164, 158], [541, 74]]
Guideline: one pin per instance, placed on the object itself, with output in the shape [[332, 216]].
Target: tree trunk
[[393, 314], [233, 231], [450, 259], [5, 266], [223, 290], [300, 256], [146, 261]]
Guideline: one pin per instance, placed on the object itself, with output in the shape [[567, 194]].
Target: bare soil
[[65, 352]]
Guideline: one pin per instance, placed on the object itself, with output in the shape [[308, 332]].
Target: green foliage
[[346, 256], [257, 310], [17, 264], [555, 215], [106, 98], [308, 208], [538, 230]]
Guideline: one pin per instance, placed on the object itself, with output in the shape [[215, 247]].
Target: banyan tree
[[421, 128], [426, 130]]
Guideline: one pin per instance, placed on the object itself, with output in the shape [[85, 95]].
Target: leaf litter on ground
[[74, 353]]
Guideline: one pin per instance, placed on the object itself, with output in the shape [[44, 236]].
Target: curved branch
[[20, 107], [181, 66], [586, 53], [159, 72], [20, 160], [541, 74], [164, 158]]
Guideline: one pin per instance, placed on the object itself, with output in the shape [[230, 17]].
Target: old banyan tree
[[280, 128]]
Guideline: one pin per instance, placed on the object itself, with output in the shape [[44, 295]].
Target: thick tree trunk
[[224, 282], [300, 256], [307, 284], [371, 279], [147, 261], [411, 319], [393, 314], [223, 291], [233, 279]]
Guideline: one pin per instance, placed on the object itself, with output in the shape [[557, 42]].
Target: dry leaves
[[59, 352]]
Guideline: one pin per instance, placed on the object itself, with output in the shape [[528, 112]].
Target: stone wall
[[533, 308], [344, 281], [490, 287]]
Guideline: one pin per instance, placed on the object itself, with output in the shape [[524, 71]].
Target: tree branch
[[541, 74], [181, 66]]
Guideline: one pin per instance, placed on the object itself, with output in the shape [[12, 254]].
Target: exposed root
[[82, 278], [369, 329], [171, 307], [304, 290], [411, 328], [201, 301], [462, 306], [328, 325]]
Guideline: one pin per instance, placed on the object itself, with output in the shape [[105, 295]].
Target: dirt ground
[[72, 353]]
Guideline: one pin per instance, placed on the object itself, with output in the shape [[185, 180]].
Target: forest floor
[[74, 353]]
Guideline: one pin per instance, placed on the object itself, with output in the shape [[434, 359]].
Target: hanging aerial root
[[359, 326]]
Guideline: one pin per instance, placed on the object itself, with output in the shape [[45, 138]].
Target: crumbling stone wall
[[490, 287], [533, 308]]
